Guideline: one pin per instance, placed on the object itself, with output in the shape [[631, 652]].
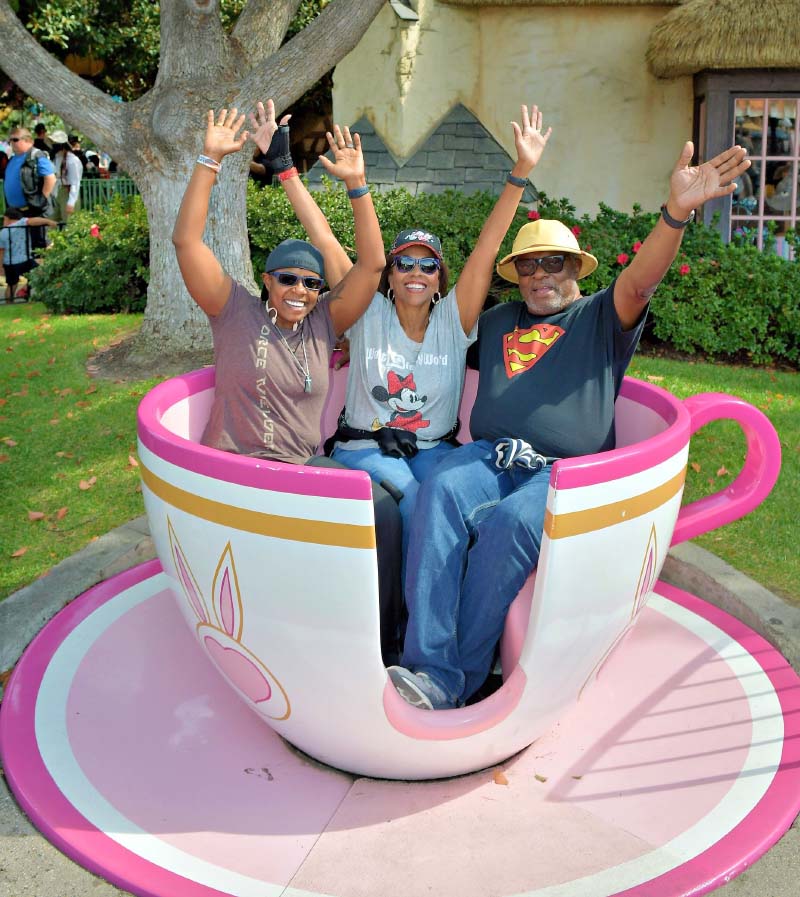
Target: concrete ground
[[31, 867]]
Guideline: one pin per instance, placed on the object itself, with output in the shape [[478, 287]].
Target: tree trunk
[[156, 139], [172, 322]]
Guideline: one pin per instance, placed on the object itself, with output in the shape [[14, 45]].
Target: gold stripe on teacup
[[574, 523], [294, 529]]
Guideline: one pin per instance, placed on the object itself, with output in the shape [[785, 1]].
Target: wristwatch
[[673, 222]]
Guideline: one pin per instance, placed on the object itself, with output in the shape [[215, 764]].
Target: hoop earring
[[436, 298], [272, 313], [390, 295]]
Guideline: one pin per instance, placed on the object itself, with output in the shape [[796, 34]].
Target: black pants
[[13, 272], [38, 235], [388, 539]]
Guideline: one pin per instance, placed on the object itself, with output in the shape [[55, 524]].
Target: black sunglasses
[[406, 263], [287, 279], [17, 139], [551, 264]]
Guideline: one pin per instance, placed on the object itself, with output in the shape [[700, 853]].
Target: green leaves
[[82, 274], [725, 300]]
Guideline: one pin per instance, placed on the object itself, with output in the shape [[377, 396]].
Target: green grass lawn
[[68, 443], [764, 543]]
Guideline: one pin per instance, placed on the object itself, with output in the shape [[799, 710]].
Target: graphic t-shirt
[[552, 379], [396, 382], [260, 407], [14, 242]]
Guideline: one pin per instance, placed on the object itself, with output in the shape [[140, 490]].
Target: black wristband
[[517, 182], [673, 222]]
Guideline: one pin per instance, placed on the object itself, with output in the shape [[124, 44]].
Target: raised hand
[[222, 135], [348, 160], [528, 138], [264, 124], [691, 186]]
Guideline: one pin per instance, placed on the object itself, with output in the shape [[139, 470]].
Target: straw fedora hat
[[544, 236]]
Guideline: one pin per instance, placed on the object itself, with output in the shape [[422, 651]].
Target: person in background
[[75, 145], [92, 169], [42, 141], [69, 172], [15, 247], [30, 182]]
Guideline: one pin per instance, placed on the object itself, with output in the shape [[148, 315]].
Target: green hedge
[[100, 263], [725, 300]]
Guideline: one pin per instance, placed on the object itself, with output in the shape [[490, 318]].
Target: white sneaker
[[418, 689]]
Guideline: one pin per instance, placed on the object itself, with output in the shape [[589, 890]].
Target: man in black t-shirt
[[551, 365]]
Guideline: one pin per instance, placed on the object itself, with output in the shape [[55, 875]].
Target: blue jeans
[[405, 474], [474, 541]]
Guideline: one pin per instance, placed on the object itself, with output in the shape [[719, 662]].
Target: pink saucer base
[[674, 772]]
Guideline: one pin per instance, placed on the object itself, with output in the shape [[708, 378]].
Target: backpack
[[31, 182]]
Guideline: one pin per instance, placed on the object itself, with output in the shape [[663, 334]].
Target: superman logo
[[523, 348]]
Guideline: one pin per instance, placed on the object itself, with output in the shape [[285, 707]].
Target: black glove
[[397, 443], [279, 156]]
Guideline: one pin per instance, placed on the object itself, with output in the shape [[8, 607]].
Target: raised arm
[[203, 275], [689, 187], [473, 283], [351, 296], [273, 141]]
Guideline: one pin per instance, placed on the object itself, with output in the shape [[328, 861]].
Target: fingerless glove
[[279, 156]]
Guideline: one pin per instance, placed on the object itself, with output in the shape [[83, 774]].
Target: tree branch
[[178, 57], [261, 27], [301, 62], [42, 76]]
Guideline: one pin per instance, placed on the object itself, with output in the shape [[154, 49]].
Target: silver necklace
[[304, 370]]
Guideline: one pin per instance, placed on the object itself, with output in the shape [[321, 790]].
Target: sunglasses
[[287, 279], [550, 264], [17, 139], [407, 263]]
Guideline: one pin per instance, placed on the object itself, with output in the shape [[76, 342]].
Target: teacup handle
[[757, 477]]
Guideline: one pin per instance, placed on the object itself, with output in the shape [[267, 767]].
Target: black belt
[[392, 441]]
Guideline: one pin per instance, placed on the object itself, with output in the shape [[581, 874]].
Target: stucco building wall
[[617, 130]]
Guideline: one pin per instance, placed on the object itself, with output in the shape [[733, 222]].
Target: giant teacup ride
[[273, 568]]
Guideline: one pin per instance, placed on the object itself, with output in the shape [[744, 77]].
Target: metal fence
[[96, 191]]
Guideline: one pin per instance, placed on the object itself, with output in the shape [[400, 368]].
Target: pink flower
[[533, 215], [576, 230], [636, 246], [684, 269], [622, 258], [94, 231]]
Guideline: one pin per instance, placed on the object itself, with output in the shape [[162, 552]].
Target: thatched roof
[[474, 3], [726, 34]]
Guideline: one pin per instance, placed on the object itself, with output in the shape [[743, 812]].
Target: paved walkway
[[31, 867]]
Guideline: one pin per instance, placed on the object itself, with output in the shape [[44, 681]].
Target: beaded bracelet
[[517, 182], [209, 163], [289, 173], [358, 191]]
